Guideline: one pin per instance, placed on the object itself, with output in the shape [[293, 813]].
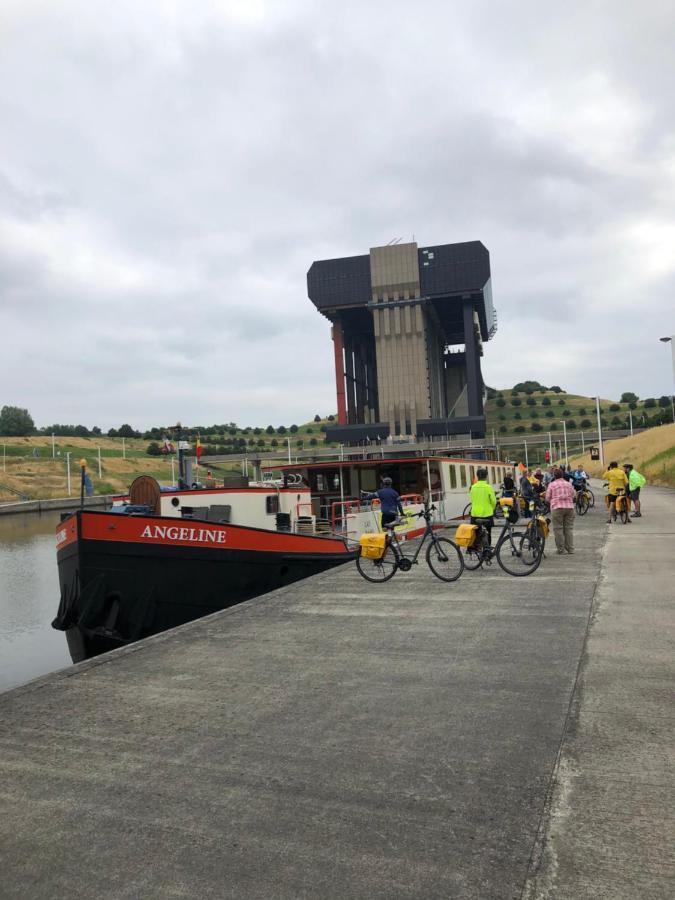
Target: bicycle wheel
[[466, 512], [378, 570], [591, 498], [623, 512], [444, 559], [582, 504], [472, 558], [520, 553]]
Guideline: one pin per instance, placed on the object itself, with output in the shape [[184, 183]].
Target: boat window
[[453, 476], [472, 473], [368, 479], [272, 504], [462, 475], [494, 477]]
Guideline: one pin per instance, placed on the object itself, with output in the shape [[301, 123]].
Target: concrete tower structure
[[408, 332]]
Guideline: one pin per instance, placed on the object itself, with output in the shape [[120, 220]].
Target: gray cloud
[[168, 174]]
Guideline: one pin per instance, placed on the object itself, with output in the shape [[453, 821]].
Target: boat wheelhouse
[[336, 488]]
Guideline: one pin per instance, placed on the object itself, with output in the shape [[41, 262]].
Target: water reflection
[[29, 596]]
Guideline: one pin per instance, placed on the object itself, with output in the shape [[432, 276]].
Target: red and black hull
[[123, 578]]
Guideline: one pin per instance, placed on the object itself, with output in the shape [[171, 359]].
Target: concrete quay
[[496, 738], [61, 503]]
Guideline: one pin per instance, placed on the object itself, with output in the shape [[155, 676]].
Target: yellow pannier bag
[[505, 501], [465, 536], [544, 525], [373, 545]]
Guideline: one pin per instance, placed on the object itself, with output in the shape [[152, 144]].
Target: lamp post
[[602, 449], [564, 425], [671, 340], [68, 470]]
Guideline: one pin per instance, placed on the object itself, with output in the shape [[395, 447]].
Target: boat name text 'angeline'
[[174, 533]]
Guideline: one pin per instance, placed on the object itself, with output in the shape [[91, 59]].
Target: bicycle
[[582, 500], [619, 507], [442, 556], [518, 553]]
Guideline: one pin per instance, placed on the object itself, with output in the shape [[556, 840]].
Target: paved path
[[610, 832], [338, 739]]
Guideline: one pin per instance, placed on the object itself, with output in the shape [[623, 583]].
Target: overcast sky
[[170, 170]]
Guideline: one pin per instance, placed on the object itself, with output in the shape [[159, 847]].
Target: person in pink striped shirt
[[560, 495]]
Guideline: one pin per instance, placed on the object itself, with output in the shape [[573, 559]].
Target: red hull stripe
[[170, 532]]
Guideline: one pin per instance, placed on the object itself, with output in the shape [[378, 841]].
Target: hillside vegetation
[[29, 468], [513, 412]]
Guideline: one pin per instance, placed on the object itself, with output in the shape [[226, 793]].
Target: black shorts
[[388, 517], [634, 495]]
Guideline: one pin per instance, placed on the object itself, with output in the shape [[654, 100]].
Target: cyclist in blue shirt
[[390, 501], [578, 477]]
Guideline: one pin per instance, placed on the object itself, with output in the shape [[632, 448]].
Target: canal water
[[29, 598]]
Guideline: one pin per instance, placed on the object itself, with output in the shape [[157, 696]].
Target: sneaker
[[570, 551], [560, 551]]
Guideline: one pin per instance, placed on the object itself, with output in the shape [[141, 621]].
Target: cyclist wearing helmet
[[390, 501], [483, 502]]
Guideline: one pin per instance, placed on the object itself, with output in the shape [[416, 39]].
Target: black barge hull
[[124, 578]]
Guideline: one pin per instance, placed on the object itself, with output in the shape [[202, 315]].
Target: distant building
[[408, 330]]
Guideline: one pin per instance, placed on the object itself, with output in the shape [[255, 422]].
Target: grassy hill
[[513, 413], [27, 464]]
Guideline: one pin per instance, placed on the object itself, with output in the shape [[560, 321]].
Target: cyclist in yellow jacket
[[483, 502], [617, 481]]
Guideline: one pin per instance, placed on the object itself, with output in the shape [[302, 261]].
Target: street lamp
[[671, 340]]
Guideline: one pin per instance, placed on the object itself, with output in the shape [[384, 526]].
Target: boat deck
[[330, 739]]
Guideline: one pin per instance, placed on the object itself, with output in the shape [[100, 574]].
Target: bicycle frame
[[395, 544]]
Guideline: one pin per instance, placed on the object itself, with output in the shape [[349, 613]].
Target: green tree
[[269, 429], [273, 442], [561, 402], [629, 397], [16, 422], [294, 429], [126, 431], [317, 418], [501, 402], [313, 442], [546, 401], [614, 407], [519, 429], [516, 401], [281, 429], [517, 416], [585, 423], [664, 401], [550, 414], [556, 389], [535, 426], [650, 403], [531, 401]]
